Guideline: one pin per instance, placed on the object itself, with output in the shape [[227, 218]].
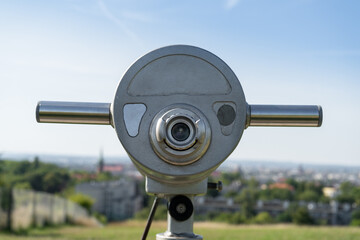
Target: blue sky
[[283, 52]]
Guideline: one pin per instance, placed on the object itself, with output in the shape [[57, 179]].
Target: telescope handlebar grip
[[73, 112], [284, 115], [257, 115]]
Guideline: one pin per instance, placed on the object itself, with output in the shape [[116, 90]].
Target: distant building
[[101, 162], [332, 214], [84, 176], [329, 192], [117, 200], [234, 186], [273, 207], [205, 205], [114, 169], [281, 186]]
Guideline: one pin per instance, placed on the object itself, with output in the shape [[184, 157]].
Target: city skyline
[[284, 52]]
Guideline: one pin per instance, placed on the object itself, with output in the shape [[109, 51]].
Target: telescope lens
[[180, 132]]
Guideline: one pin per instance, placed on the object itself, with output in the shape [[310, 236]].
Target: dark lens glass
[[180, 132]]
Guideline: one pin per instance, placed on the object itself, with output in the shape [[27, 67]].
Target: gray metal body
[[179, 75], [179, 112]]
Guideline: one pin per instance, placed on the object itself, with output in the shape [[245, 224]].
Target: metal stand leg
[[150, 219], [180, 220]]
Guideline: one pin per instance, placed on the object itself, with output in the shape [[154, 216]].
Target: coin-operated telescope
[[179, 112]]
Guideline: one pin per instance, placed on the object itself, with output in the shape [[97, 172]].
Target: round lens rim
[[175, 152], [173, 142]]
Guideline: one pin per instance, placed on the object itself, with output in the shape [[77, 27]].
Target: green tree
[[231, 194], [309, 196], [102, 218], [36, 163], [284, 217], [287, 215], [104, 176], [54, 182], [302, 217], [262, 218], [252, 183], [40, 176], [83, 200], [228, 177], [212, 193], [292, 182], [247, 200], [36, 180], [356, 194], [355, 218], [276, 193], [237, 218], [22, 167], [347, 193], [1, 166], [223, 217], [22, 185]]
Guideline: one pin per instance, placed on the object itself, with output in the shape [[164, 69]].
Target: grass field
[[210, 231]]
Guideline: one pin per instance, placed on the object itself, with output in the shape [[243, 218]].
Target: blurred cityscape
[[111, 189]]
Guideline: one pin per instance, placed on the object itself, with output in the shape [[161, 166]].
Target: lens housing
[[180, 135]]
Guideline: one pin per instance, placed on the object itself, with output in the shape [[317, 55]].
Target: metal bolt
[[216, 186]]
